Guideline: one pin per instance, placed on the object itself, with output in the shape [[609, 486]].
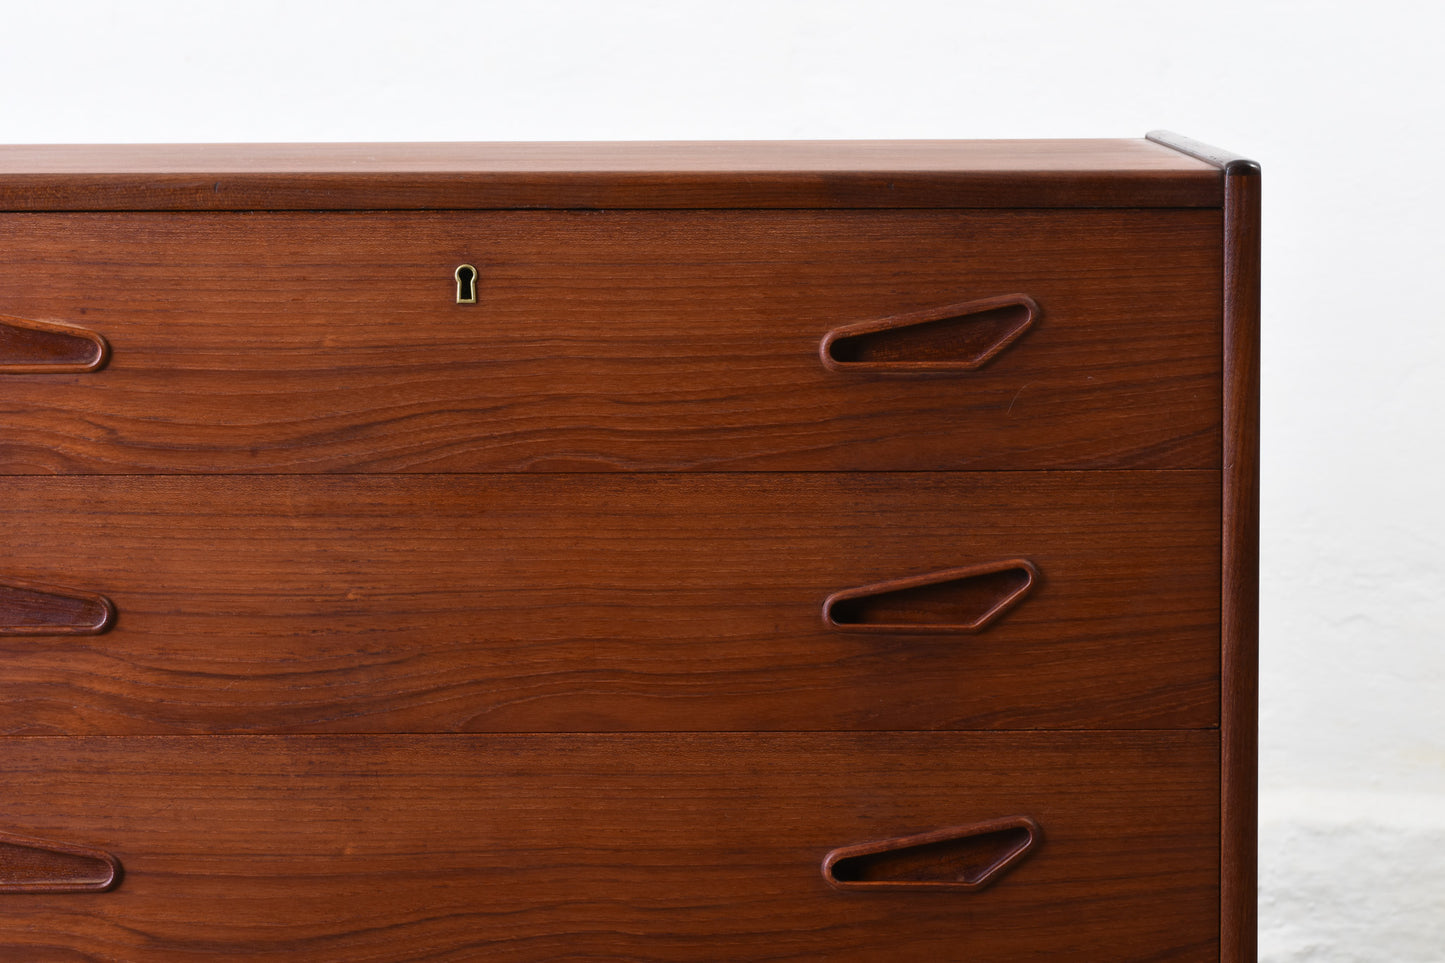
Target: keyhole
[[466, 276]]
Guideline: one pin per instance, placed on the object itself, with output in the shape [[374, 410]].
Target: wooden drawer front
[[609, 602], [662, 847], [646, 340]]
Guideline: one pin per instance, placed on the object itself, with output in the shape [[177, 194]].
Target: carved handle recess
[[37, 866], [952, 601], [955, 337], [960, 858], [28, 346], [27, 609]]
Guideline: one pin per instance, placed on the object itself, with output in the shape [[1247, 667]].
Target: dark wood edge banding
[[98, 353], [1239, 603], [105, 876], [988, 875], [894, 321], [1239, 712], [802, 190], [62, 623], [985, 618]]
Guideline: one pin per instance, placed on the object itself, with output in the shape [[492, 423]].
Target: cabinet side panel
[[1240, 689], [1239, 705]]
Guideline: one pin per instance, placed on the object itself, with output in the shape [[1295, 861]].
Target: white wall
[[1341, 103]]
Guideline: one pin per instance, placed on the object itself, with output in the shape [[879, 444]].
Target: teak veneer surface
[[719, 174], [771, 501], [620, 847], [608, 602], [607, 341]]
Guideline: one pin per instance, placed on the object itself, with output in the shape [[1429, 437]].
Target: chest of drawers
[[814, 551]]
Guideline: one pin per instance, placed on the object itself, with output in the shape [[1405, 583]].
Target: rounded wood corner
[[1233, 165]]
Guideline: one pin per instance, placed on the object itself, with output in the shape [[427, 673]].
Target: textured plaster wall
[[1341, 102]]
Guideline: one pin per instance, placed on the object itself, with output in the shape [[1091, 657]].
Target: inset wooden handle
[[27, 609], [37, 866], [952, 601], [45, 347], [961, 858], [955, 337]]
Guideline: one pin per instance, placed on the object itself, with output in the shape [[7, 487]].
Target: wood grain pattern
[[723, 174], [566, 693], [640, 848], [610, 602], [617, 341], [1240, 600]]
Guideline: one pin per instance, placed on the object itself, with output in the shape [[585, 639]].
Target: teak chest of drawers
[[811, 551]]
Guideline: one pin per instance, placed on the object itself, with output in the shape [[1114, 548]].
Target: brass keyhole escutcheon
[[466, 276]]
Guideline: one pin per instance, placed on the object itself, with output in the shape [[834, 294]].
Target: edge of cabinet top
[[599, 175]]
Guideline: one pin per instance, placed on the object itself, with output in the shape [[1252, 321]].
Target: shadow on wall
[[1340, 880]]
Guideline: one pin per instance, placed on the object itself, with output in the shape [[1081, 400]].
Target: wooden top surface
[[718, 174]]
